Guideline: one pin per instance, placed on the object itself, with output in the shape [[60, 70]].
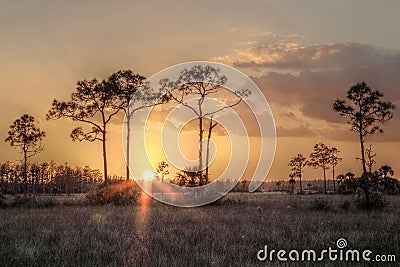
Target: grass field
[[227, 233]]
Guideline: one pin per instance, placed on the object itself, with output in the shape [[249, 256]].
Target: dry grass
[[228, 233]]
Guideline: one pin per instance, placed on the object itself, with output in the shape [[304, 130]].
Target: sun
[[148, 175]]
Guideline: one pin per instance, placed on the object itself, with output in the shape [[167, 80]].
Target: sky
[[302, 54]]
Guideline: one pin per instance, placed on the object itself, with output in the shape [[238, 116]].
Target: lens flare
[[148, 175]]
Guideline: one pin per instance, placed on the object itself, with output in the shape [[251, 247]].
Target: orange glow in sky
[[300, 68]]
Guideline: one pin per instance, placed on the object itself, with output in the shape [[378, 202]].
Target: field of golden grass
[[227, 233]]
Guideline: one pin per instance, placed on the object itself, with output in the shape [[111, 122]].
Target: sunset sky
[[302, 54]]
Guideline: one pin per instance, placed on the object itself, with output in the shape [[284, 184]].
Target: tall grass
[[223, 234]]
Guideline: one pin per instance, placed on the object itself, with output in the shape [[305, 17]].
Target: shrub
[[319, 205], [115, 192], [345, 205], [376, 201]]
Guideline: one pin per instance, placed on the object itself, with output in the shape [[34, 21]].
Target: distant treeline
[[47, 177], [347, 184]]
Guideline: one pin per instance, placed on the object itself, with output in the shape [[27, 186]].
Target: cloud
[[314, 93], [293, 56], [313, 77], [302, 100], [248, 50], [301, 131]]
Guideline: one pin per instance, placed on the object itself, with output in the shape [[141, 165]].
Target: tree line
[[47, 178]]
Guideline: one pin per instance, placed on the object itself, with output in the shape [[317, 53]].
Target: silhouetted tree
[[198, 82], [385, 170], [347, 182], [126, 84], [93, 103], [366, 112], [292, 182], [23, 134], [334, 161], [162, 170], [382, 181], [130, 99], [297, 164], [320, 158], [189, 177]]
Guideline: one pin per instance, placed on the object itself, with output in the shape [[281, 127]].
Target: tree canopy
[[24, 134], [94, 104], [365, 111], [199, 83]]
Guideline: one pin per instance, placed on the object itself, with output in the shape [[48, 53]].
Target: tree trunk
[[325, 181], [208, 154], [301, 187], [333, 178], [25, 170], [200, 150], [365, 175], [363, 155], [104, 155], [208, 147], [128, 143]]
